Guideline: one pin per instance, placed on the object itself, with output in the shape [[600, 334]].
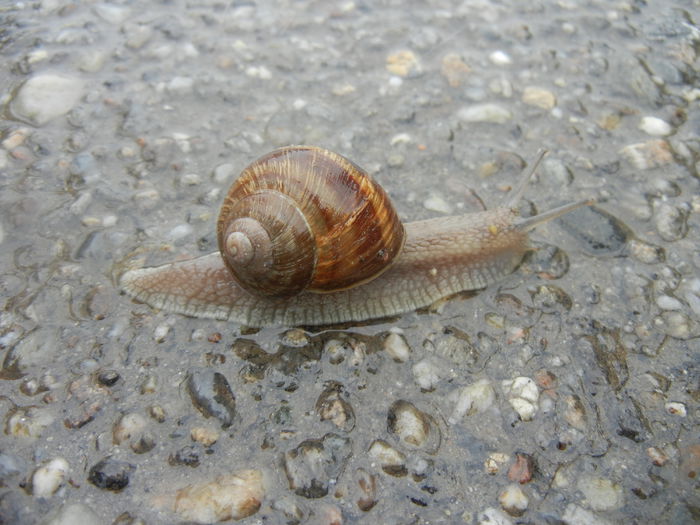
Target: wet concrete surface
[[565, 393]]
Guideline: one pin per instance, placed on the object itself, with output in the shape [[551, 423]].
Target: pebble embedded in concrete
[[176, 102], [230, 496], [493, 113], [513, 500], [655, 126], [390, 460], [473, 399], [45, 97], [523, 396], [426, 374], [601, 494], [47, 479], [72, 514], [396, 346], [539, 97]]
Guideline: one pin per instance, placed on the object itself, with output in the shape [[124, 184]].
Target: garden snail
[[328, 220]]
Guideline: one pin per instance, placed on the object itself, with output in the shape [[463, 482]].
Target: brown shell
[[312, 220]]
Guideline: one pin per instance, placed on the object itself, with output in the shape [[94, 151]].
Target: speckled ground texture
[[566, 393]]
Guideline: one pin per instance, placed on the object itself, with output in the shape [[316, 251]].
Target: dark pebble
[[598, 231], [188, 456], [212, 396], [111, 474], [332, 406], [108, 377], [312, 465]]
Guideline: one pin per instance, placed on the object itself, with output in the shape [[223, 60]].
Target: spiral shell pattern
[[305, 218]]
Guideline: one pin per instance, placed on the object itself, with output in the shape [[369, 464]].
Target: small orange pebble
[[523, 468]]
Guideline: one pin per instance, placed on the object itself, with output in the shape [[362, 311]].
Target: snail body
[[423, 261]]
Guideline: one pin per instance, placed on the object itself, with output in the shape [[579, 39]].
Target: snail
[[306, 237]]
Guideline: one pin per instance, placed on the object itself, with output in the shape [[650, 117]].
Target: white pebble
[[601, 493], [180, 231], [676, 409], [386, 455], [438, 204], [501, 86], [149, 384], [147, 198], [114, 14], [42, 98], [523, 387], [575, 413], [28, 422], [340, 90], [500, 58], [523, 395], [81, 204], [397, 347], [426, 374], [409, 424], [198, 335], [161, 332], [675, 324], [223, 173], [484, 113], [655, 127], [180, 85], [539, 97], [491, 516], [692, 294], [129, 426], [472, 399], [547, 405], [401, 138], [190, 50], [37, 55], [190, 179], [183, 141], [260, 72], [46, 480], [395, 81], [513, 500], [525, 409], [72, 513], [232, 496], [575, 515], [666, 302], [137, 35], [92, 60], [15, 138], [204, 435], [160, 52], [494, 462], [90, 221]]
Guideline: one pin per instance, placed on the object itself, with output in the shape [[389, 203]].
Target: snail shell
[[440, 256], [305, 218]]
